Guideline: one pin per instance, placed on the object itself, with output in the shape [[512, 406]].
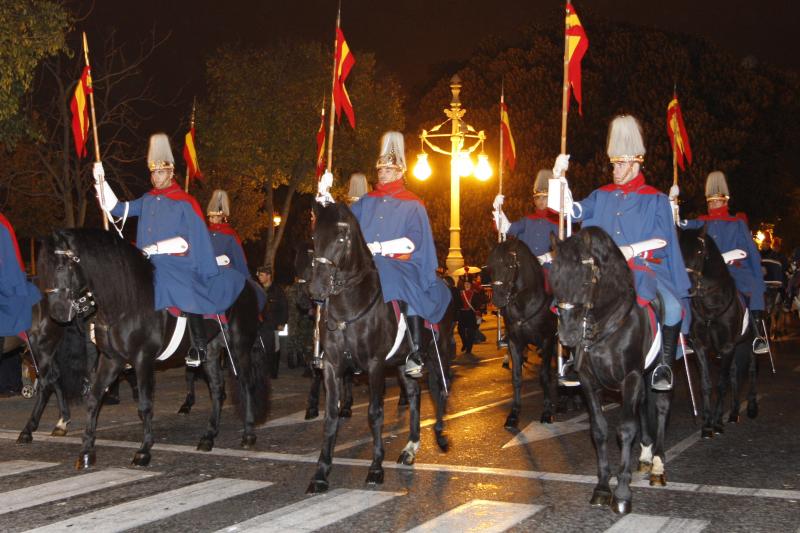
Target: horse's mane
[[120, 276], [714, 266]]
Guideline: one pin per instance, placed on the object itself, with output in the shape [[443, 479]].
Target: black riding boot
[[662, 375], [413, 367], [759, 343], [197, 334]]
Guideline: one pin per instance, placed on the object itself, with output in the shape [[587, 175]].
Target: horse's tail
[[71, 365]]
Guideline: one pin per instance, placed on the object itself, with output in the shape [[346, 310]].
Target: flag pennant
[[577, 44], [80, 111], [677, 133], [190, 156], [321, 145], [509, 148], [344, 63]]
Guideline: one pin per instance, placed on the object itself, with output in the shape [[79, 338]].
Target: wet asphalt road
[[747, 479]]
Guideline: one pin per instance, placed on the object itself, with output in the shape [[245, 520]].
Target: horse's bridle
[[587, 322], [83, 304], [511, 284]]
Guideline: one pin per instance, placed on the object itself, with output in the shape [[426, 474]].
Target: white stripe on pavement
[[485, 516], [636, 523], [157, 507], [10, 468], [536, 431], [67, 488], [315, 512]]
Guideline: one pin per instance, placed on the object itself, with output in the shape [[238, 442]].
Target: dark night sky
[[414, 38]]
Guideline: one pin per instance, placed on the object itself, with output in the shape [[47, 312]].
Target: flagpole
[[94, 128], [191, 127], [564, 112], [502, 159], [329, 164]]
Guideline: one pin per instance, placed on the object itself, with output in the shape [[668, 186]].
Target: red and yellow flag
[[677, 132], [344, 63], [190, 156], [509, 148], [577, 44], [321, 145], [80, 111]]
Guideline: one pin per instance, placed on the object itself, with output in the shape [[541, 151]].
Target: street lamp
[[461, 164]]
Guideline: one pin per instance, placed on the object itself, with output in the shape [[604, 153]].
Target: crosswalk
[[307, 513]]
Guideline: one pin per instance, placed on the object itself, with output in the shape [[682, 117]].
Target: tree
[[30, 31], [259, 124]]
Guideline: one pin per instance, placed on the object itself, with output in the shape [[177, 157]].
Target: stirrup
[[193, 362], [665, 384], [569, 377], [316, 362], [413, 368], [760, 345]]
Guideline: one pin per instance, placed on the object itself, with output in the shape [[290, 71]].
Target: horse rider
[[224, 238], [396, 227], [172, 233], [731, 233], [632, 212], [17, 294]]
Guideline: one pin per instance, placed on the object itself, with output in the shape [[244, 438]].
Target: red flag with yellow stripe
[[577, 44], [80, 111], [677, 132], [321, 145], [344, 63], [509, 148], [190, 156]]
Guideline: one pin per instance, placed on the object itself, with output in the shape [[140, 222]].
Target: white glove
[[501, 221], [98, 172], [674, 192], [546, 257], [636, 248], [374, 247], [561, 165], [108, 200], [223, 260], [403, 245], [323, 188], [554, 195], [173, 245], [497, 205]]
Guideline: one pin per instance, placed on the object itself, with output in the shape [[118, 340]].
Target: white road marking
[[425, 467], [67, 488], [314, 512], [11, 468], [156, 507], [536, 431], [636, 523], [299, 417], [485, 516]]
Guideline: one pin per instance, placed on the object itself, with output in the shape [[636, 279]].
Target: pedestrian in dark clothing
[[276, 314], [467, 317]]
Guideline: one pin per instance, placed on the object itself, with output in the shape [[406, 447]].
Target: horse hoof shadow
[[547, 418], [205, 445], [375, 477], [644, 467], [317, 486], [658, 480], [734, 418], [406, 458], [442, 442], [706, 433], [311, 414], [24, 438], [600, 498], [345, 412], [85, 460], [621, 506], [752, 409], [141, 459], [248, 442]]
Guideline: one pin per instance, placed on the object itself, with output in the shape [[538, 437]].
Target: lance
[[329, 165], [564, 112], [94, 128], [674, 203], [191, 127], [499, 233]]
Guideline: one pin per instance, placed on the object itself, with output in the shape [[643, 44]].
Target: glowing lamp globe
[[422, 169], [483, 171]]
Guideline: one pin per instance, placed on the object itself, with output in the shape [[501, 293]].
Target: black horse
[[359, 332], [718, 317], [518, 289], [73, 263], [599, 317]]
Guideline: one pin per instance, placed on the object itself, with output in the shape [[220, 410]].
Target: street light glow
[[464, 164], [422, 169], [483, 171]]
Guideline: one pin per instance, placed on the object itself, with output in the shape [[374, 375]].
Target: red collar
[[224, 227], [722, 213], [636, 185], [4, 221], [174, 192], [395, 189], [544, 214]]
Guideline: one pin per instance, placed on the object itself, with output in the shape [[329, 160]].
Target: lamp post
[[461, 164]]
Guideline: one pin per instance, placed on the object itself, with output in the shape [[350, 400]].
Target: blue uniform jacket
[[636, 212], [391, 213], [535, 230], [225, 241], [731, 233], [191, 282], [17, 294]]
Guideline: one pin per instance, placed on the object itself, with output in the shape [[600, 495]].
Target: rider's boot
[[413, 366], [662, 375], [759, 343], [197, 334]]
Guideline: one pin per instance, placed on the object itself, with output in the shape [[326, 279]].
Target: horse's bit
[[84, 304]]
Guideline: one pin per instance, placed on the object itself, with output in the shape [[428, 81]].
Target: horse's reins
[[80, 305]]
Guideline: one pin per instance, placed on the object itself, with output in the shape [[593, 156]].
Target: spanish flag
[[190, 156], [677, 132], [344, 63], [321, 144], [577, 44], [509, 148], [80, 111]]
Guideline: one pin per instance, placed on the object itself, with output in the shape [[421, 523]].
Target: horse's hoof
[[141, 459], [620, 506], [600, 498], [511, 423], [185, 409], [375, 477], [706, 433], [644, 468], [317, 486], [658, 480], [734, 418], [58, 432], [345, 412], [752, 409], [248, 441], [402, 402], [205, 445], [406, 458], [311, 414], [85, 460], [547, 418], [442, 442], [24, 438]]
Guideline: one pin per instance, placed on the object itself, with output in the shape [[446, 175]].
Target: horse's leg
[[107, 371], [601, 495], [245, 382], [319, 483], [346, 410], [409, 453], [645, 429], [377, 381], [626, 432], [40, 402], [312, 411], [752, 395], [63, 408], [705, 388], [191, 376], [546, 379], [722, 389], [662, 402], [216, 388], [735, 380], [516, 380], [402, 400], [145, 382]]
